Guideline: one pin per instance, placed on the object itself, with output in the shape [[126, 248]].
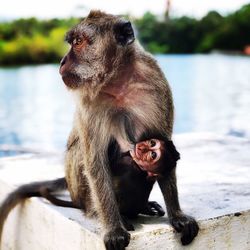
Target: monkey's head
[[155, 156], [99, 44]]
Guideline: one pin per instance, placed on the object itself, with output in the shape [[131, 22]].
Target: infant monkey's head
[[155, 156]]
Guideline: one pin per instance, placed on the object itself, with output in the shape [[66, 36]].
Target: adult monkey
[[122, 95], [118, 87]]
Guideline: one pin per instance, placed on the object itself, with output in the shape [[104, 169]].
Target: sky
[[65, 8]]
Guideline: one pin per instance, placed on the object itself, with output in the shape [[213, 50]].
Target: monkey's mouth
[[71, 80]]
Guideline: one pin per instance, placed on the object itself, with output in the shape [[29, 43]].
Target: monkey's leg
[[47, 188], [102, 191], [127, 224], [184, 224], [46, 193]]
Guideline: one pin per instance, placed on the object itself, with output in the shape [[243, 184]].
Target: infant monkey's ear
[[172, 150]]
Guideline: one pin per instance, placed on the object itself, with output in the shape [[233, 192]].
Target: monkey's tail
[[35, 189]]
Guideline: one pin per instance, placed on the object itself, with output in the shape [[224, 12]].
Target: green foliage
[[188, 35], [42, 41], [206, 30], [33, 41]]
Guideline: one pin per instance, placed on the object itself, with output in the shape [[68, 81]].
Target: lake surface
[[211, 93]]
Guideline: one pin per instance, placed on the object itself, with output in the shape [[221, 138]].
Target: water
[[36, 110], [211, 93]]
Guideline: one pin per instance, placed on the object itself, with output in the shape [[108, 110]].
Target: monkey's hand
[[116, 239], [187, 226], [153, 209]]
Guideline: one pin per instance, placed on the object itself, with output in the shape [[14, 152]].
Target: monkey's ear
[[124, 33], [172, 149]]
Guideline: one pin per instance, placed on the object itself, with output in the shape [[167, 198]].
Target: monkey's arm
[[182, 223], [97, 170]]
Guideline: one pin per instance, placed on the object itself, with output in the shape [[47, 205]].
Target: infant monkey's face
[[147, 154]]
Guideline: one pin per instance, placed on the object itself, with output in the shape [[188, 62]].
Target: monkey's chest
[[125, 128]]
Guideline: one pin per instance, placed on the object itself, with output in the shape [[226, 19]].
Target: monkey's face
[[147, 154], [98, 45]]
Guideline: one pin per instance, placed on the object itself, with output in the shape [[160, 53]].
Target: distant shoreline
[[215, 52], [33, 41]]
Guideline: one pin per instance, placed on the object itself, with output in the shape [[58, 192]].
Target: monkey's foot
[[116, 239], [127, 224], [153, 209], [187, 226]]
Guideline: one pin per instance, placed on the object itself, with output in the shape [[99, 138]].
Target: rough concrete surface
[[214, 187]]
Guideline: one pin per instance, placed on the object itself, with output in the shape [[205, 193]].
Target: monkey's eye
[[152, 143], [77, 42], [153, 155]]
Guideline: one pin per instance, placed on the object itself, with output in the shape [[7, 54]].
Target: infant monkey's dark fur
[[133, 186], [121, 95]]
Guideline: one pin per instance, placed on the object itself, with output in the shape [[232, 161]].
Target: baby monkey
[[135, 172]]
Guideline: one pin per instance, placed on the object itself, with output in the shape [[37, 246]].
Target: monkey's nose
[[143, 150]]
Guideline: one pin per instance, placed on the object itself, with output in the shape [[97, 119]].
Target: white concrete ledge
[[214, 187]]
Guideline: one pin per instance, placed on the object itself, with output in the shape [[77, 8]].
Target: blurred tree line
[[189, 35], [41, 41], [33, 41]]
